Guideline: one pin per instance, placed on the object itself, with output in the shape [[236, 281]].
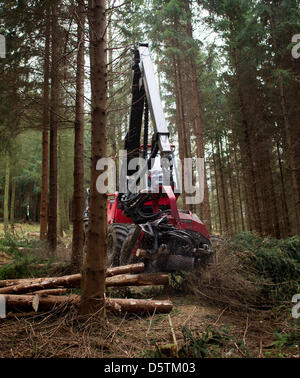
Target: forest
[[228, 74]]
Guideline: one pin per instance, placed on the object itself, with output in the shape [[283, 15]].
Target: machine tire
[[126, 256], [116, 234]]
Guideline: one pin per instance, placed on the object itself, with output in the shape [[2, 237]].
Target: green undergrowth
[[275, 264], [213, 342], [25, 254], [248, 273]]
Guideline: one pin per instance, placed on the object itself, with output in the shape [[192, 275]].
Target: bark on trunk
[[248, 152], [93, 277], [217, 190], [286, 219], [55, 57], [12, 201], [44, 182], [238, 178], [6, 192], [288, 133], [227, 225], [78, 204], [198, 126]]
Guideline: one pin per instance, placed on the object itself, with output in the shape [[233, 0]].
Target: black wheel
[[116, 234], [126, 256]]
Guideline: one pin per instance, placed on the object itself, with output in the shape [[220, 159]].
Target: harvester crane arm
[[145, 95]]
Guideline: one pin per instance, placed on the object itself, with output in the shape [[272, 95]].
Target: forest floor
[[196, 327]]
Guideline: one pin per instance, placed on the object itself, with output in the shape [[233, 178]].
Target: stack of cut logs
[[42, 294]]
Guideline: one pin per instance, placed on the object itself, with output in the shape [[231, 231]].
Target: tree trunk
[[93, 276], [44, 182], [229, 168], [227, 225], [78, 204], [248, 152], [239, 188], [288, 133], [6, 192], [217, 190], [60, 204], [55, 57], [180, 130], [184, 146], [12, 201], [286, 219], [198, 126]]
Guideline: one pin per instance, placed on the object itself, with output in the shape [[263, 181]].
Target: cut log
[[52, 265], [138, 279], [138, 306], [131, 268], [57, 291], [48, 302], [73, 281], [45, 303], [43, 283]]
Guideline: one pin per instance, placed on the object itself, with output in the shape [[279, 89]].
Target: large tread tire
[[126, 256], [116, 234]]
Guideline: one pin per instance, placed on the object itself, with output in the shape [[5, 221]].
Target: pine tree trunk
[[290, 142], [185, 132], [227, 225], [12, 201], [217, 190], [6, 192], [179, 128], [78, 204], [59, 224], [44, 183], [247, 153], [198, 127], [93, 277], [55, 61], [286, 219], [234, 214], [239, 188]]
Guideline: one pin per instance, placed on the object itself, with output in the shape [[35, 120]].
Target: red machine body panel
[[179, 219]]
